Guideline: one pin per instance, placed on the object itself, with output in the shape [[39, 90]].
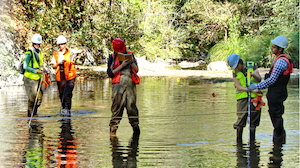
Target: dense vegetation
[[152, 28]]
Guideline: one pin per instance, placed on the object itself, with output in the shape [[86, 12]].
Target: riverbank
[[157, 70], [147, 69]]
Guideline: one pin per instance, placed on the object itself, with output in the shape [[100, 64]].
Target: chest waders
[[124, 96]]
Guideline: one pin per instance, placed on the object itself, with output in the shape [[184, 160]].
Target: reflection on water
[[276, 157], [184, 123], [33, 154], [67, 153], [247, 155], [125, 156]]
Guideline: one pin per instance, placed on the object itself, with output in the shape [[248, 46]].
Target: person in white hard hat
[[239, 73], [276, 81], [64, 63], [33, 66]]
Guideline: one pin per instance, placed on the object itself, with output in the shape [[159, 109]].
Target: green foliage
[[293, 48], [161, 38], [165, 29], [256, 48], [223, 49], [207, 23]]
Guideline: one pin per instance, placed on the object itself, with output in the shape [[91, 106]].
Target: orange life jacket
[[116, 79], [69, 66], [285, 57]]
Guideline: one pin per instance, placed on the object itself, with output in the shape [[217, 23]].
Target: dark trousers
[[65, 89], [276, 96]]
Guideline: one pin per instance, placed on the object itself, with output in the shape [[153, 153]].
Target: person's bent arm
[[238, 85], [28, 68], [256, 76], [280, 66]]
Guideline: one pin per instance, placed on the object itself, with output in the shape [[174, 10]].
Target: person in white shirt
[[64, 63]]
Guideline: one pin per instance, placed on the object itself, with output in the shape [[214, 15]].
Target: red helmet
[[119, 45]]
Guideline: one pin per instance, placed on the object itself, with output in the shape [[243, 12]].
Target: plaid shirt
[[280, 66]]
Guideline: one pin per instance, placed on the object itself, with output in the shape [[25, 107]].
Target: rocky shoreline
[[91, 72], [148, 69]]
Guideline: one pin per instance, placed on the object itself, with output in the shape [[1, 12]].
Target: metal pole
[[37, 95]]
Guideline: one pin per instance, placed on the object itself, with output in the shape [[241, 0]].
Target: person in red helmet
[[124, 80]]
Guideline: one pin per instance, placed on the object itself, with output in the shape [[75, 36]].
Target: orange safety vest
[[116, 79], [69, 66], [285, 57]]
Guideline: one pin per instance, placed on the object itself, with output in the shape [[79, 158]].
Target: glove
[[267, 75], [252, 87]]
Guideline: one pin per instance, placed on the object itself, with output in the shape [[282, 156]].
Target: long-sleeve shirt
[[280, 66], [27, 60], [110, 62]]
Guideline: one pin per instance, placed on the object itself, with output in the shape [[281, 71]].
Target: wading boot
[[136, 130], [113, 131], [284, 137], [35, 111], [279, 140], [239, 135], [252, 133], [29, 113]]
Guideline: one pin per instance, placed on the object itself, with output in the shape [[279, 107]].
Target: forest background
[[167, 29]]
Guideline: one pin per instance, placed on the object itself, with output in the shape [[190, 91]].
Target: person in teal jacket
[[239, 72], [33, 66]]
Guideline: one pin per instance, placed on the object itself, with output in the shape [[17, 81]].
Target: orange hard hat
[[119, 45]]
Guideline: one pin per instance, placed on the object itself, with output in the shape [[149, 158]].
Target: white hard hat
[[36, 39], [233, 60], [281, 41], [61, 39]]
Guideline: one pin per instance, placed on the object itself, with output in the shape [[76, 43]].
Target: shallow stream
[[182, 125]]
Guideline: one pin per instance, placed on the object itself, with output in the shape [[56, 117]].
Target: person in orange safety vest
[[64, 63]]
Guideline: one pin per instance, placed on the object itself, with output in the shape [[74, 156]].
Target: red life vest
[[284, 57], [116, 79]]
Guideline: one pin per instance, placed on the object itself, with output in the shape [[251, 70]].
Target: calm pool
[[182, 125]]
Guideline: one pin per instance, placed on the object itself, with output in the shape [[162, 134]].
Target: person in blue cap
[[239, 73], [276, 81]]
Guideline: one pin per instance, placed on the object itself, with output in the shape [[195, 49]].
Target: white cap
[[61, 39], [36, 39]]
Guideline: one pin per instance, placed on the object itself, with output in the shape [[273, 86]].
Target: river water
[[182, 125]]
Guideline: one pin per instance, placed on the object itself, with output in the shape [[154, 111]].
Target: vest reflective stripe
[[284, 57], [242, 79], [31, 75], [116, 78], [69, 66]]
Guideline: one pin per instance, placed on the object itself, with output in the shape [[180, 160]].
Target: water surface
[[182, 125]]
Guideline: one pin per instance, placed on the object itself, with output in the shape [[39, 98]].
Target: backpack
[[21, 69]]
